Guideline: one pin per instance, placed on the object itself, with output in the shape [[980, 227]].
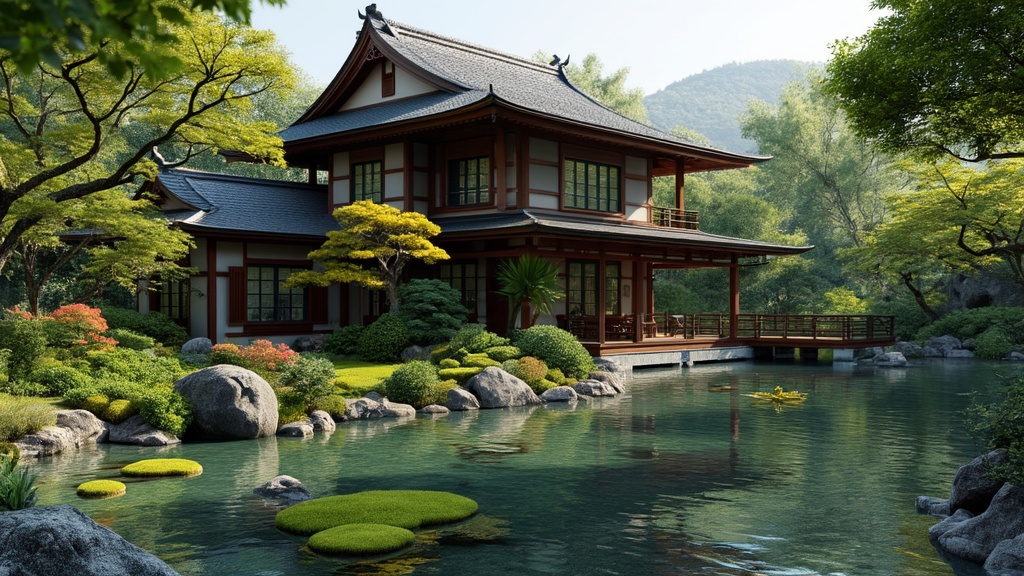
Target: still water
[[681, 475]]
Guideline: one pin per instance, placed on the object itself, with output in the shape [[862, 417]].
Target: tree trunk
[[908, 281]]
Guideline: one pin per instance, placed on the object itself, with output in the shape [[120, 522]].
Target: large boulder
[[84, 426], [910, 350], [560, 394], [610, 378], [594, 388], [322, 421], [229, 403], [415, 353], [282, 488], [496, 388], [944, 344], [1007, 558], [608, 365], [890, 360], [459, 400], [972, 488], [137, 431], [375, 406], [976, 538], [197, 346], [61, 541], [957, 518], [867, 353], [74, 429]]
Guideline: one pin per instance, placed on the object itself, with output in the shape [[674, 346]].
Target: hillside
[[712, 102]]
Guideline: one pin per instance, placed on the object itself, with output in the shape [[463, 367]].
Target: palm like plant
[[529, 279]]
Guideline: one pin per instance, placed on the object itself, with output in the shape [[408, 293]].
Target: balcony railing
[[673, 218]]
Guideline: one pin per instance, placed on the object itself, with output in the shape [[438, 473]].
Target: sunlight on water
[[682, 475]]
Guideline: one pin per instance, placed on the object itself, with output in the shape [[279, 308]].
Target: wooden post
[[680, 182], [500, 169], [211, 290], [734, 296], [601, 300]]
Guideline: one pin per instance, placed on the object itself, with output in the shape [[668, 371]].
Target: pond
[[684, 474]]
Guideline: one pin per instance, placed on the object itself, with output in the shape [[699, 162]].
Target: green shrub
[[555, 375], [290, 407], [432, 310], [449, 363], [310, 378], [101, 489], [1001, 426], [558, 348], [156, 325], [361, 539], [384, 340], [438, 392], [162, 467], [334, 405], [131, 339], [344, 340], [541, 386], [528, 369], [502, 353], [17, 486], [479, 360], [993, 344], [411, 383], [119, 410], [26, 339], [76, 396], [97, 404], [460, 375], [58, 380], [475, 339], [135, 366], [21, 416], [403, 508], [165, 409], [972, 323]]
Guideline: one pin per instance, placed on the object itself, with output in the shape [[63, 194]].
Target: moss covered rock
[[163, 467], [101, 489], [361, 539], [403, 508]]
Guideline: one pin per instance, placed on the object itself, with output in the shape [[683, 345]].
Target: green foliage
[[162, 467], [361, 539], [993, 344], [479, 360], [384, 340], [403, 508], [20, 416], [558, 348], [528, 369], [156, 325], [344, 340], [130, 339], [10, 450], [101, 489], [333, 405], [555, 375], [261, 356], [165, 409], [502, 353], [26, 339], [842, 300], [1001, 426], [972, 323], [449, 363], [460, 375], [119, 410], [440, 353], [432, 310], [530, 280], [411, 383], [541, 386], [438, 392], [475, 339], [95, 403], [290, 406], [135, 366], [17, 485], [58, 380], [310, 378]]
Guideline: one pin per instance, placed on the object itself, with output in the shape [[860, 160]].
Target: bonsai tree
[[530, 280]]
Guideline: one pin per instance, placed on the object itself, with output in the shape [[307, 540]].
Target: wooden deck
[[668, 332]]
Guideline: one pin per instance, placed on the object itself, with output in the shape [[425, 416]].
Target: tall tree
[[937, 77], [65, 130], [376, 232]]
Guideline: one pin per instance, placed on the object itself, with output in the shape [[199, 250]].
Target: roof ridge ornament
[[558, 63], [373, 13]]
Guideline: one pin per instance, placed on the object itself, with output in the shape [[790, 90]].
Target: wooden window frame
[[607, 201], [458, 188], [387, 78], [583, 300], [357, 184], [467, 282], [278, 292]]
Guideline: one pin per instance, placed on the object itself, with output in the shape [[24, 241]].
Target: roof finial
[[557, 62], [371, 12]]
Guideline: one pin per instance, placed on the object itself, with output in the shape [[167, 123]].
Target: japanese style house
[[503, 153]]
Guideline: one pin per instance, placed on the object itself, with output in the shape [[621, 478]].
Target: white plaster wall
[[420, 184], [394, 185], [636, 166], [229, 254], [420, 206], [197, 307], [544, 201], [341, 164], [543, 178], [543, 149], [198, 255], [394, 158], [637, 214], [341, 191], [368, 92]]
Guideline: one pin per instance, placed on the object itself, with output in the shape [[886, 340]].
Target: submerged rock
[[560, 394], [299, 429], [368, 408], [594, 388], [283, 488], [322, 422], [138, 432], [933, 506], [890, 360]]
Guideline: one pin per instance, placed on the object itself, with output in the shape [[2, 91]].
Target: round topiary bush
[[131, 339], [503, 353], [558, 348], [438, 393], [344, 340], [993, 344], [449, 363], [119, 410], [361, 539], [480, 360], [460, 375], [403, 508], [97, 404], [384, 340], [101, 489], [410, 383], [162, 467], [59, 380]]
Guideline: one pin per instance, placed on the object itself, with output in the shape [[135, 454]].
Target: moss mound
[[163, 467], [101, 489], [402, 508], [360, 539]]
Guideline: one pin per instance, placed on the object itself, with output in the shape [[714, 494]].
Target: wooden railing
[[810, 326], [673, 218]]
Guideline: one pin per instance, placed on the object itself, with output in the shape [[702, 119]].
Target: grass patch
[[355, 377], [163, 467], [22, 415], [403, 508], [101, 489], [361, 539]]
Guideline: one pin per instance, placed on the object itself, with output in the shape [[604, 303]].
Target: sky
[[660, 41]]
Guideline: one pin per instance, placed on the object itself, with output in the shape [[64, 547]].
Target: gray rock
[[85, 426], [496, 388], [611, 379], [972, 488], [415, 353], [197, 346], [867, 353], [308, 344], [138, 432], [974, 539], [959, 517], [969, 344], [61, 541], [910, 350], [945, 344], [374, 395], [609, 365], [560, 394], [1017, 356], [434, 410], [930, 352], [300, 429], [959, 354], [890, 360], [283, 488], [47, 442], [229, 403], [366, 408], [1007, 558], [460, 399], [933, 506], [322, 422], [593, 388]]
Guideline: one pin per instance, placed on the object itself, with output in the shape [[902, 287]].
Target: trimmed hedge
[[162, 467], [460, 375], [101, 489], [384, 340], [403, 508], [361, 539], [558, 348], [411, 383]]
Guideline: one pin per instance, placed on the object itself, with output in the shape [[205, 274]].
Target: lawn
[[356, 377]]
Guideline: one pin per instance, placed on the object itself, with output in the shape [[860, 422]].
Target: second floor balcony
[[674, 218]]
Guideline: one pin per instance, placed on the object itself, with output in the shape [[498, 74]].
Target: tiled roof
[[237, 204], [533, 221]]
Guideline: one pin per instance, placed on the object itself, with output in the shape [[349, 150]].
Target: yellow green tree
[[379, 233]]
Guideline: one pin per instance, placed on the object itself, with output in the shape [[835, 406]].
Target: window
[[174, 300], [462, 277], [269, 300], [583, 288], [469, 182], [592, 186], [367, 181]]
